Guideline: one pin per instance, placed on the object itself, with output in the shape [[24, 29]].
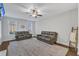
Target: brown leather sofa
[[48, 37], [20, 35]]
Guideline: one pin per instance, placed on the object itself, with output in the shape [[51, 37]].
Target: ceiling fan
[[35, 13], [33, 10]]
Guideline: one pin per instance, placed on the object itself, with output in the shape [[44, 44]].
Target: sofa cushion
[[44, 38]]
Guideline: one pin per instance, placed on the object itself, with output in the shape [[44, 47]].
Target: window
[[31, 27]]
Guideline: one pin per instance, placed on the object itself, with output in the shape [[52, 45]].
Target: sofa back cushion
[[45, 32], [21, 33], [53, 33], [48, 33]]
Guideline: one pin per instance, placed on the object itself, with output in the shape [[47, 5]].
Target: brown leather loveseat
[[20, 35], [48, 37]]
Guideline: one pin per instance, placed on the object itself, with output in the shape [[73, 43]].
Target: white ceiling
[[18, 9]]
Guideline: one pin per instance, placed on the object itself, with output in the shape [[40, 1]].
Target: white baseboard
[[63, 43]]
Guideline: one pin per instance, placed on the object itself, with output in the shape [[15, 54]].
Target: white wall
[[1, 29], [21, 23], [61, 24], [6, 28]]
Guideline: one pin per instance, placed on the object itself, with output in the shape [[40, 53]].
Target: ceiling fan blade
[[39, 15]]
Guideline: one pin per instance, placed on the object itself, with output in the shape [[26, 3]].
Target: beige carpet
[[34, 47]]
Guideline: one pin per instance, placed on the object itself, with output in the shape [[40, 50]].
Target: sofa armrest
[[16, 36], [53, 37]]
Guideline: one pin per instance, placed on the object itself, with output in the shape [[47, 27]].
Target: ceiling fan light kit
[[36, 13]]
